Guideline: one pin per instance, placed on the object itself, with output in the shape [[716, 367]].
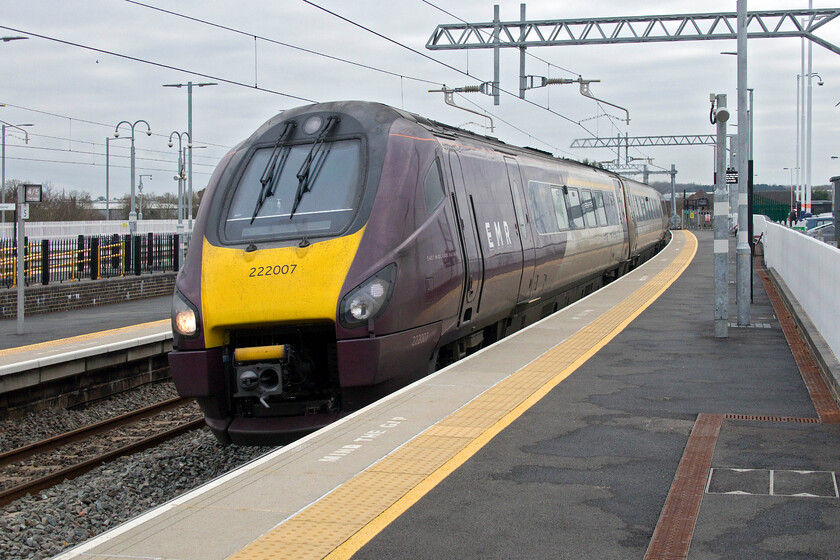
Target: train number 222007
[[276, 270]]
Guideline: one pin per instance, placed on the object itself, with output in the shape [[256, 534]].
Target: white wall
[[55, 230], [811, 269]]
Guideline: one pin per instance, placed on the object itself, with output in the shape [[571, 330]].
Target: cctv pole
[[809, 111], [742, 249], [673, 194], [189, 158], [721, 245]]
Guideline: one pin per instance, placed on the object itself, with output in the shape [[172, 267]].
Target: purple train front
[[347, 249]]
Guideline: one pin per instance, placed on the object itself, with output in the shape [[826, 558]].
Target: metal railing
[[90, 257]]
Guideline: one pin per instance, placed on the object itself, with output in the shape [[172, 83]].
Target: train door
[[627, 218], [468, 233], [527, 285]]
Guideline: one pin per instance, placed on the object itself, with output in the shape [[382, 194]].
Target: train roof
[[448, 131], [375, 114]]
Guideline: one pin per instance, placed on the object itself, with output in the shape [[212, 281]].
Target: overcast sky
[[74, 96]]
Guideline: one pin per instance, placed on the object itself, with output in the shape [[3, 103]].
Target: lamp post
[[809, 112], [791, 169], [189, 86], [132, 215], [6, 125], [798, 166], [108, 176], [180, 176], [140, 188]]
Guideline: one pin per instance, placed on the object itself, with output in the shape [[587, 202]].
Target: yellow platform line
[[81, 338], [339, 524]]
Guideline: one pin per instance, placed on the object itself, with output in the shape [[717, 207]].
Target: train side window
[[560, 208], [433, 187], [575, 211], [542, 208], [600, 212], [611, 209], [588, 207]]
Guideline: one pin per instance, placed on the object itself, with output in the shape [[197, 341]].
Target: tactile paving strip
[[344, 520], [80, 338], [824, 403], [679, 514], [672, 535]]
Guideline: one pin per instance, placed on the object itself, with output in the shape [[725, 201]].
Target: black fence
[[89, 258]]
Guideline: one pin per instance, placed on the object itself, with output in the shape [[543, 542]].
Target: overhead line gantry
[[522, 34]]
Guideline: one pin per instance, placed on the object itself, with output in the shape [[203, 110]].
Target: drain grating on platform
[[763, 482], [753, 418], [750, 326]]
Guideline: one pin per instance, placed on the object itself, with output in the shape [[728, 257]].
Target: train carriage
[[347, 249]]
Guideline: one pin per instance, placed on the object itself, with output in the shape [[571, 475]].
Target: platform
[[618, 427], [60, 345], [49, 327]]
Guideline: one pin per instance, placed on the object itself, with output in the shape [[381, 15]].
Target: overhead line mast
[[740, 26]]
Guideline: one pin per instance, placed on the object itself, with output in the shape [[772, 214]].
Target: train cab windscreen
[[302, 190]]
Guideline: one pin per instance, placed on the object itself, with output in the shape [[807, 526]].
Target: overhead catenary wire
[[256, 87], [115, 148], [85, 121], [266, 90], [118, 156], [280, 43], [450, 14], [157, 64], [449, 66], [339, 59], [550, 64], [94, 164]]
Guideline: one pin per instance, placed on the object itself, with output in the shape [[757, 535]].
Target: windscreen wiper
[[305, 174], [274, 167]]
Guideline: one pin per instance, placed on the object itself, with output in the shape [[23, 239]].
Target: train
[[346, 249]]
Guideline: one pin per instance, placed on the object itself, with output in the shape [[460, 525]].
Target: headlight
[[368, 301], [184, 316]]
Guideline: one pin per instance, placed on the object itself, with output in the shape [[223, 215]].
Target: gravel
[[46, 423], [41, 526]]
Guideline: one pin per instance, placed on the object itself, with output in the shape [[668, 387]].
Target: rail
[[810, 268], [120, 436]]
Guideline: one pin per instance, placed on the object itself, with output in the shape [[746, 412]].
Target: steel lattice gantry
[[633, 141], [633, 29]]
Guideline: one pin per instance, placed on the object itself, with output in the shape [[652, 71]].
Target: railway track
[[44, 464]]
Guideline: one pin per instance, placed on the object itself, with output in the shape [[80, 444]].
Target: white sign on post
[[24, 211], [10, 206]]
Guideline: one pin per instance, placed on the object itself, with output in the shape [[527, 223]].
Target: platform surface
[[563, 441], [49, 327]]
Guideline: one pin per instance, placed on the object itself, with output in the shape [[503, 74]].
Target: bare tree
[[55, 205]]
